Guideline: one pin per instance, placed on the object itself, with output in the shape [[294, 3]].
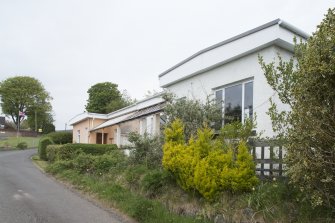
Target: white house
[[230, 72]]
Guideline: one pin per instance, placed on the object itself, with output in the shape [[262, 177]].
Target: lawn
[[11, 142]]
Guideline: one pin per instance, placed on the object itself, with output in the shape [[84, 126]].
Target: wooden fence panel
[[272, 165]]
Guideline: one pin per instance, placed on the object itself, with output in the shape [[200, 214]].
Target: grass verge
[[11, 142], [41, 164], [149, 195], [109, 192]]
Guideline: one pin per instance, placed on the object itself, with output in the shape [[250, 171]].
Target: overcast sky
[[70, 45]]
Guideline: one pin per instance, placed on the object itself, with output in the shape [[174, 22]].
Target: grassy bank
[[12, 142], [148, 193], [111, 192]]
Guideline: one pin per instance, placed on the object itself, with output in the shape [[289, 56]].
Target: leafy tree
[[193, 113], [306, 83], [25, 94], [105, 98], [39, 119], [48, 128]]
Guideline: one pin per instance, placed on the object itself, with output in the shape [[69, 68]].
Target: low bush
[[22, 145], [70, 151], [52, 152], [277, 199], [84, 163], [154, 182], [59, 166], [146, 150], [101, 164], [62, 137], [134, 174], [42, 146], [115, 159], [141, 209]]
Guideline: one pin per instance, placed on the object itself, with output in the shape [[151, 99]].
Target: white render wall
[[247, 67], [271, 35]]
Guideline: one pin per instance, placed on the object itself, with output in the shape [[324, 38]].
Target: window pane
[[233, 104], [248, 99], [218, 99]]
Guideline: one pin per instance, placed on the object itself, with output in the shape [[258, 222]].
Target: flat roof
[[279, 22]]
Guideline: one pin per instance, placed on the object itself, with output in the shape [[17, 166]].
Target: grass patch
[[12, 142], [40, 163], [136, 206]]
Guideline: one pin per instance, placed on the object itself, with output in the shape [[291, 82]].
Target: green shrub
[[62, 137], [52, 152], [70, 151], [193, 113], [146, 149], [133, 175], [84, 163], [22, 145], [277, 199], [154, 182], [42, 146], [115, 159], [141, 209], [101, 164], [59, 166], [206, 164]]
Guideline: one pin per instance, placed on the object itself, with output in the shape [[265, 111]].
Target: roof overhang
[[143, 107], [275, 33], [86, 115]]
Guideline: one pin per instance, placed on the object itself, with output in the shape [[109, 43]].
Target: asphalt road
[[27, 195]]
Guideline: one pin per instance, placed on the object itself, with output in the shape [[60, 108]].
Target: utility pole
[[18, 126], [35, 120]]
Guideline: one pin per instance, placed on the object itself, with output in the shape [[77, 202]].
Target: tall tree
[[306, 83], [23, 94], [105, 97], [40, 119]]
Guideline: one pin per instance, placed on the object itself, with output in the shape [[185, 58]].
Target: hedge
[[51, 152], [62, 137], [70, 151], [42, 146]]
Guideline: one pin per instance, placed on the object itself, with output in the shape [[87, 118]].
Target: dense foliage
[[70, 151], [208, 165], [105, 98], [25, 94], [51, 152], [193, 113], [42, 147], [99, 164], [22, 145], [61, 137], [306, 83], [146, 149]]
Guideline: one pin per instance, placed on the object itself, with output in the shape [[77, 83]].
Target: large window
[[236, 101]]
